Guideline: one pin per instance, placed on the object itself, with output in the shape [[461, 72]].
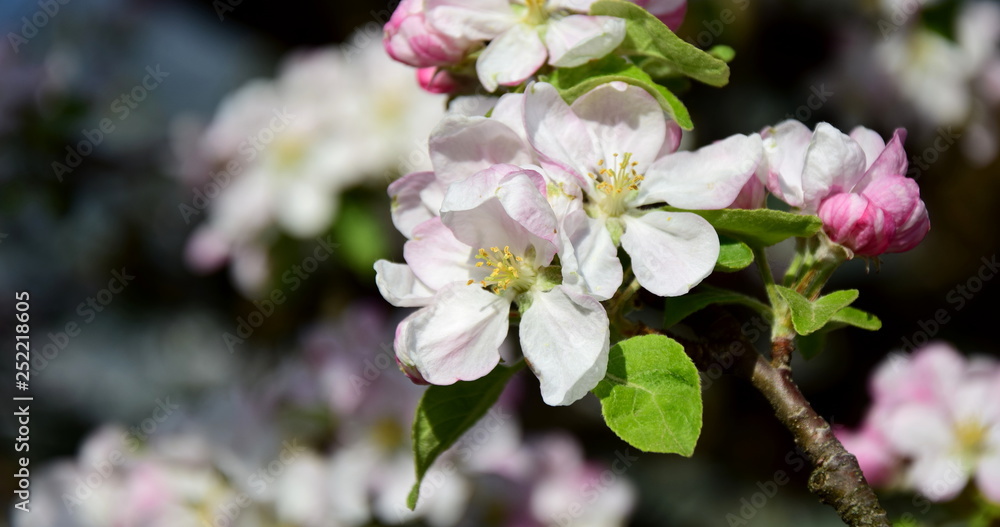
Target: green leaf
[[723, 53], [813, 344], [574, 82], [657, 69], [762, 227], [855, 317], [680, 307], [809, 317], [733, 255], [646, 35], [446, 412], [651, 395]]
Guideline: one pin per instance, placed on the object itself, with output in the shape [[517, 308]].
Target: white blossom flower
[[492, 246], [617, 145], [284, 151]]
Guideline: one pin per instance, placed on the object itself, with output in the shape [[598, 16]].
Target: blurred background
[[208, 346]]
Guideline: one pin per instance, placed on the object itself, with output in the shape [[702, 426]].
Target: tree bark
[[836, 477]]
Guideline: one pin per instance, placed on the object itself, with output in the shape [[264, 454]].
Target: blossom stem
[[781, 326], [795, 268], [764, 267], [622, 299], [825, 259]]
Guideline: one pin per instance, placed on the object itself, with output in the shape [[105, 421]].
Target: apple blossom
[[940, 413], [459, 146], [523, 37], [284, 150], [621, 155], [173, 480], [410, 40], [856, 184], [945, 81], [437, 80], [493, 246]]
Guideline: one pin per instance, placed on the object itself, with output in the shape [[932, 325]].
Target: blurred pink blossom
[[934, 424]]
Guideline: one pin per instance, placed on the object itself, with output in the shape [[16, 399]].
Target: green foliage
[[723, 53], [360, 235], [680, 307], [574, 82], [733, 255], [446, 412], [813, 344], [850, 316], [646, 35], [810, 316], [759, 227], [651, 395]]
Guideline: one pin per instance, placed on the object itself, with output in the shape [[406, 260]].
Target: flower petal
[[785, 149], [622, 118], [576, 39], [511, 58], [565, 338], [472, 19], [708, 178], [457, 337], [919, 430], [416, 198], [988, 477], [940, 477], [461, 146], [834, 163], [857, 223], [546, 119], [572, 5], [870, 142], [500, 206], [509, 110], [899, 196], [307, 209], [589, 257], [891, 161], [671, 251], [436, 257], [399, 286]]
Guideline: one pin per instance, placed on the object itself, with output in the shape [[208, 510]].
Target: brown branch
[[781, 355], [836, 477]]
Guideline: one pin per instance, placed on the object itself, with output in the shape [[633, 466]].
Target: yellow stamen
[[507, 269], [615, 180]]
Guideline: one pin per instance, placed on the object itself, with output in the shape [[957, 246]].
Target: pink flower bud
[[871, 212], [899, 197], [436, 80], [410, 40], [854, 221]]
